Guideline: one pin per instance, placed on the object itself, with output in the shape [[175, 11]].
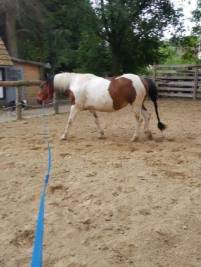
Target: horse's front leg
[[100, 131], [73, 112]]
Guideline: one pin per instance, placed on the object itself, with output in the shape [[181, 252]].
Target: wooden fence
[[178, 80], [17, 85]]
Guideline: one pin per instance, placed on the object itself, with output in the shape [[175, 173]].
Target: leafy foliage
[[133, 30], [106, 38], [197, 18], [93, 55], [21, 20], [180, 51]]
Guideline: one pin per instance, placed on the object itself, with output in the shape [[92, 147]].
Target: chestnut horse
[[93, 93]]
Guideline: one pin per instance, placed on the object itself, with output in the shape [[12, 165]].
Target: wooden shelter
[[5, 62], [27, 70], [14, 69]]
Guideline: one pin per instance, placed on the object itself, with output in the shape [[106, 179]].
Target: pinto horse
[[93, 93]]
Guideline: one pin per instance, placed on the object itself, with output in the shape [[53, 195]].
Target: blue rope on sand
[[37, 254]]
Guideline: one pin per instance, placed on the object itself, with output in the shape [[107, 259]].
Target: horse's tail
[[153, 94]]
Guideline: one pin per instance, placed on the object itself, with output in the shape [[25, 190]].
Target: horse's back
[[137, 82], [138, 86]]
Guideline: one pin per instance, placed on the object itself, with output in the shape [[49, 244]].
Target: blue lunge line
[[37, 255]]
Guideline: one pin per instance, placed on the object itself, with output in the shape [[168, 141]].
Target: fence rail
[[178, 80], [18, 85]]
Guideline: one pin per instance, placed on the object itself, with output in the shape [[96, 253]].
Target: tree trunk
[[116, 65], [10, 29], [116, 69]]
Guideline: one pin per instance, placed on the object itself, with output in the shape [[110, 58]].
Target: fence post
[[56, 103], [18, 103], [195, 83]]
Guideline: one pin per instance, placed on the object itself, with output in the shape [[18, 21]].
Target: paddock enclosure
[[109, 202], [178, 80]]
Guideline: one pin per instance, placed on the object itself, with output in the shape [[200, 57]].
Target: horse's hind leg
[[147, 117], [73, 112], [138, 117], [100, 131]]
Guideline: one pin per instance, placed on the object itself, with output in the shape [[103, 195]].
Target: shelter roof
[[5, 59]]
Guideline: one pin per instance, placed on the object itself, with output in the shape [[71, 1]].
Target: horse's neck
[[62, 81], [74, 80]]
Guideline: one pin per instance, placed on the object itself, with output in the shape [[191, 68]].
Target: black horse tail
[[153, 94]]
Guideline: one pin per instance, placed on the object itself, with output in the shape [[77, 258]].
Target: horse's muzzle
[[39, 101]]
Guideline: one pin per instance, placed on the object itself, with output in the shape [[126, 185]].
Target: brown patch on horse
[[122, 92], [70, 96]]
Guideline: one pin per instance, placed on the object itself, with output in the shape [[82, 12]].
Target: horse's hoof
[[134, 139], [149, 136], [101, 137], [63, 138]]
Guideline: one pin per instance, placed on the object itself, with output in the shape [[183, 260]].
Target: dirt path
[[109, 202]]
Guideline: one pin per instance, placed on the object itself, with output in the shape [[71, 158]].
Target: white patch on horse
[[97, 96], [90, 91]]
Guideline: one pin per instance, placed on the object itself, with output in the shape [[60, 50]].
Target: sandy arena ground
[[109, 202]]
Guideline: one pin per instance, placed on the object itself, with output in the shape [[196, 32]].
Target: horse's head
[[46, 93]]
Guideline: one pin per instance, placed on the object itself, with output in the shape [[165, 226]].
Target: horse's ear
[[46, 75], [49, 76], [47, 71]]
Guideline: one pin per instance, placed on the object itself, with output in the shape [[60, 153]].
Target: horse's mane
[[111, 78]]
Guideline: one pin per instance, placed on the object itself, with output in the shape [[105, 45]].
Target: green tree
[[68, 20], [133, 30], [108, 38], [94, 55], [21, 20], [182, 50], [197, 18]]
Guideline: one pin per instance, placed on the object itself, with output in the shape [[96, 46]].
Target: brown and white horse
[[93, 93]]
